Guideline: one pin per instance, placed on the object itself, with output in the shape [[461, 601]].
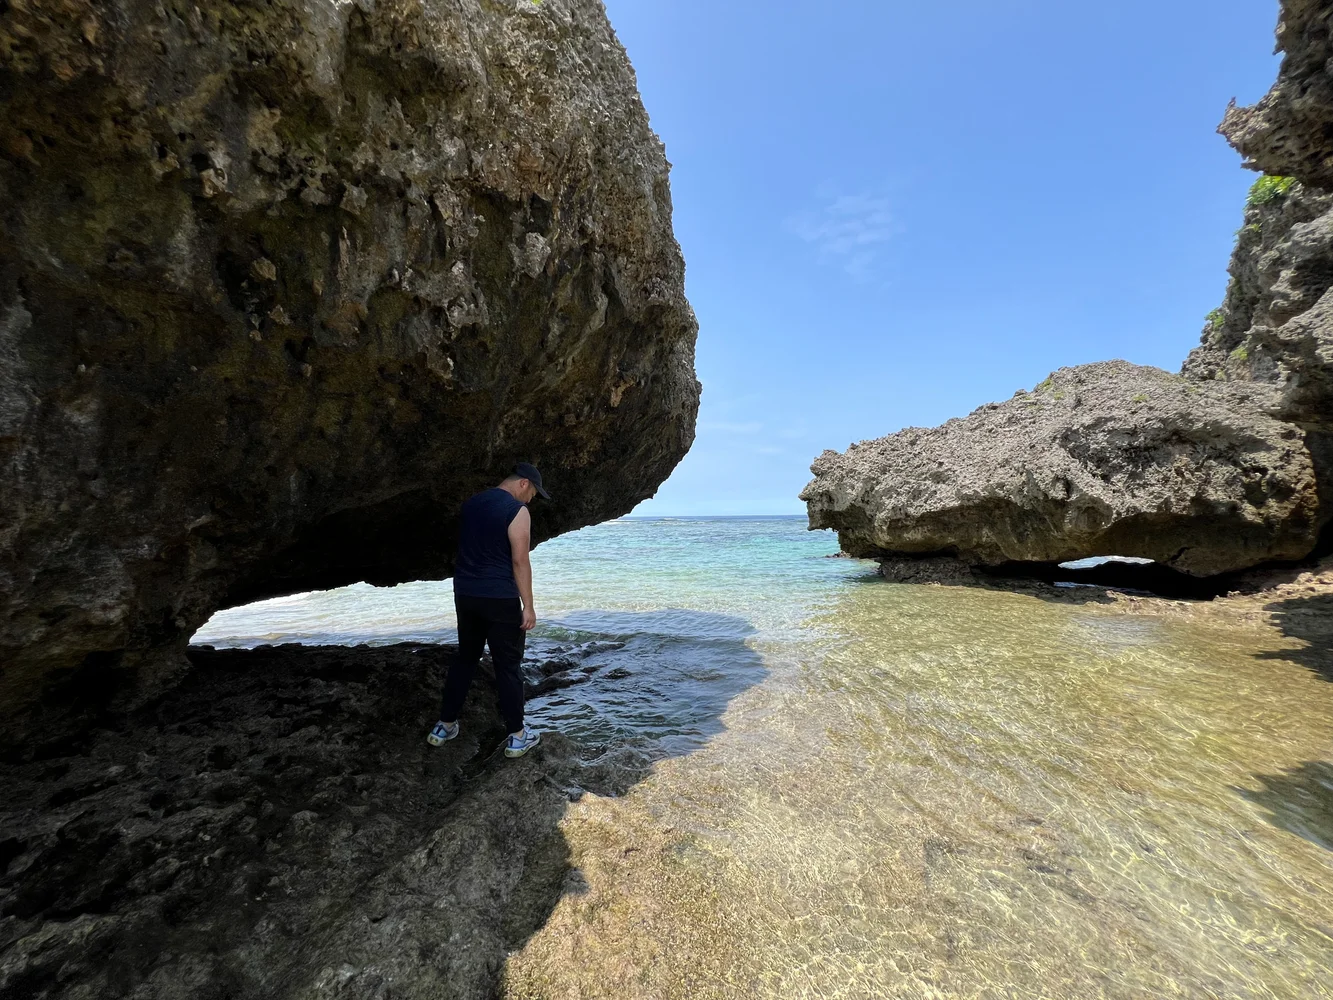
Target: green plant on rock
[[1268, 187], [1140, 398], [1241, 353], [1215, 319]]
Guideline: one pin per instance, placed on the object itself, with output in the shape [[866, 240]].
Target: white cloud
[[849, 229]]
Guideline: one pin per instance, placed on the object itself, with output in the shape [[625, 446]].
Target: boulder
[[1103, 459], [1222, 468], [282, 283]]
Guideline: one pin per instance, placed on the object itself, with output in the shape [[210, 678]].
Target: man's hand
[[520, 539]]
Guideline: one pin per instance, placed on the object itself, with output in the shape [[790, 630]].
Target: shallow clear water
[[872, 789], [695, 601]]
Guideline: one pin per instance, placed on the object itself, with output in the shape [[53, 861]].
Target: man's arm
[[520, 540]]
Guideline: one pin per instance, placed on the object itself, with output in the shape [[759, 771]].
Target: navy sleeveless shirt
[[485, 567]]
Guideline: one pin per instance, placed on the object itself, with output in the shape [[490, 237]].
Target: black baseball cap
[[529, 472]]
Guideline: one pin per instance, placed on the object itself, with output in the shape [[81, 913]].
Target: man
[[493, 597]]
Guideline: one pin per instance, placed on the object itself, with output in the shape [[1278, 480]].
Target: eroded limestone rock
[[281, 283], [1222, 469], [1288, 132], [1102, 459], [1276, 323]]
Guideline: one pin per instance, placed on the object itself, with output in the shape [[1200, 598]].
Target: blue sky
[[892, 213]]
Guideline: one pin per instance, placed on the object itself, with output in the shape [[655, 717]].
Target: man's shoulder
[[481, 497]]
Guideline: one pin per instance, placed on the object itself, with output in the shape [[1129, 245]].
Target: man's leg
[[471, 638], [506, 637]]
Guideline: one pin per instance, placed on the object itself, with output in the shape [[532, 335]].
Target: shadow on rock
[[277, 826], [1299, 800], [1309, 619]]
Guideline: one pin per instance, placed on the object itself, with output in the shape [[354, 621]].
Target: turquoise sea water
[[686, 606], [867, 789]]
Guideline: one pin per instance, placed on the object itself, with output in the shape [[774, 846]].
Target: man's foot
[[442, 733], [521, 742]]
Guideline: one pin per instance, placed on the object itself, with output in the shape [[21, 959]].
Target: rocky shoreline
[[276, 825], [1222, 468]]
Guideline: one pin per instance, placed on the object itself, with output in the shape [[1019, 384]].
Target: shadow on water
[[1309, 619], [276, 825], [656, 681], [1298, 800]]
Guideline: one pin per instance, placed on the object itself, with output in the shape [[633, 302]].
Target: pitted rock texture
[[1288, 132], [1273, 325], [1224, 469], [1110, 458], [1276, 323], [282, 283]]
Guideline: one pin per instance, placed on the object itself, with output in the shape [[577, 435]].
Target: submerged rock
[[282, 283], [1104, 458], [1222, 468]]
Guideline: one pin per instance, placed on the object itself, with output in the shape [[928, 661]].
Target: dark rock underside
[[282, 283]]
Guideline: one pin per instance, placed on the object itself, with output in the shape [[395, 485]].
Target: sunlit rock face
[[1222, 468], [282, 283], [1290, 131], [1104, 458]]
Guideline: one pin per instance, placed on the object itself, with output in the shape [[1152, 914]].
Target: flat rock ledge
[[1103, 459]]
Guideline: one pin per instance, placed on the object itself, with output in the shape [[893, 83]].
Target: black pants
[[496, 621]]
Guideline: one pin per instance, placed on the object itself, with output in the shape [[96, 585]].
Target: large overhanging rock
[[1104, 459], [282, 282]]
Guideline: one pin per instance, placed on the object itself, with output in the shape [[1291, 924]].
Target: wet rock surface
[[1111, 458], [277, 826], [282, 283], [1227, 467]]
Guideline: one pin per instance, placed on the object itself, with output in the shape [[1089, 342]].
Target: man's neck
[[511, 489]]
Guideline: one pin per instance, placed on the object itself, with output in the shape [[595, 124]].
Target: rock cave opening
[[1134, 574]]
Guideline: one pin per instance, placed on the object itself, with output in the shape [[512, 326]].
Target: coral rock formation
[[1225, 467], [1104, 458], [1276, 323], [282, 283], [1287, 133]]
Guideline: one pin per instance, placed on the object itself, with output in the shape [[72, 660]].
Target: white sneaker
[[521, 742], [442, 733]]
